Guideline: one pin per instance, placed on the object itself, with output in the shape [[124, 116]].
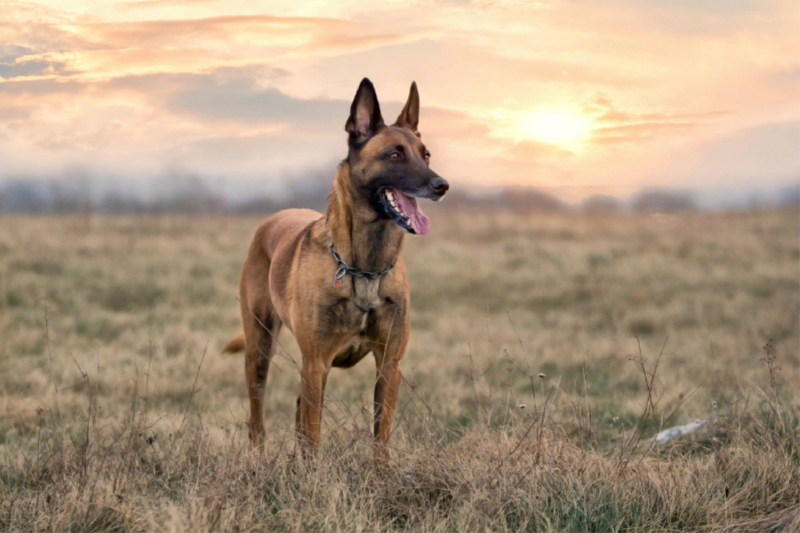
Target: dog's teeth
[[390, 198]]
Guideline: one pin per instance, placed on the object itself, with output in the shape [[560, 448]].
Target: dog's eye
[[394, 156], [427, 156]]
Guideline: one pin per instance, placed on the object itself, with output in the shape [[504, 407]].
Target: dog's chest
[[352, 315], [365, 291]]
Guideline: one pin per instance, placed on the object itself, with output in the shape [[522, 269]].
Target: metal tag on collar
[[337, 278]]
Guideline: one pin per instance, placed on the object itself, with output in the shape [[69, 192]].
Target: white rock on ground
[[669, 434]]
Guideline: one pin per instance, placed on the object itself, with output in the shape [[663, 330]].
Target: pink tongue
[[408, 206]]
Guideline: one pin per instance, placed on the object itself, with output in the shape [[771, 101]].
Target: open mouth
[[404, 211]]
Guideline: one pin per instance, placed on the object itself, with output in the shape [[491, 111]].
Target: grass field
[[117, 411]]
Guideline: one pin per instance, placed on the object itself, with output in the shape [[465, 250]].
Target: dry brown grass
[[118, 413]]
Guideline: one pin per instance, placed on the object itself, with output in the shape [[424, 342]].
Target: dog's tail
[[235, 345]]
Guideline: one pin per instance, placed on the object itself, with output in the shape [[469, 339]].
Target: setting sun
[[557, 127]]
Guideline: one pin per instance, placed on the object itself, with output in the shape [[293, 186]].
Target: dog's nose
[[439, 185]]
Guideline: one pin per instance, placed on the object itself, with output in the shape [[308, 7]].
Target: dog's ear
[[365, 114], [409, 116]]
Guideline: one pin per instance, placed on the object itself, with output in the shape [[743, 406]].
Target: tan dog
[[337, 281]]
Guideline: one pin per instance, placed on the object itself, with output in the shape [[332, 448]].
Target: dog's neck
[[362, 238]]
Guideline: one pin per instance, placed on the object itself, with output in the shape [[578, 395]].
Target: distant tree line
[[193, 197]]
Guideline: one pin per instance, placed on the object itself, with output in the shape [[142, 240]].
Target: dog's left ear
[[365, 114], [409, 116]]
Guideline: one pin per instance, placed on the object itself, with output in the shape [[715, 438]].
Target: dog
[[337, 281]]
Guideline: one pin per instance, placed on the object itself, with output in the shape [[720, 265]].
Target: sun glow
[[556, 127]]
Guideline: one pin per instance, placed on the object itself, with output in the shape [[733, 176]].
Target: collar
[[343, 268]]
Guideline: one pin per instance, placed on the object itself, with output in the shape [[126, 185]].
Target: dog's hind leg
[[261, 327], [261, 331]]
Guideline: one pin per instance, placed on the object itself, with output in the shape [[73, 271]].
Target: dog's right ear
[[365, 114]]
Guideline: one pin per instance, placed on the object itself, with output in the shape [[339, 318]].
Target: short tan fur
[[288, 276]]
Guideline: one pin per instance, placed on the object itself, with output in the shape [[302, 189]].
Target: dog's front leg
[[313, 377], [387, 387], [391, 341]]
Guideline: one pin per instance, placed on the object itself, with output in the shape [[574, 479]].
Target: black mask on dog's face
[[390, 164]]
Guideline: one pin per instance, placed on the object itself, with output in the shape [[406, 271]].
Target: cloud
[[751, 156], [8, 113], [10, 52], [239, 99], [694, 18], [238, 34], [41, 87], [612, 125], [28, 28], [102, 50], [643, 131], [229, 121], [151, 3], [264, 30], [41, 67]]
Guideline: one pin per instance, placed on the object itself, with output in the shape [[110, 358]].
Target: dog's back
[[274, 242], [282, 229]]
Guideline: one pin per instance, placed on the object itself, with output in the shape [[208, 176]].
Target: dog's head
[[389, 165]]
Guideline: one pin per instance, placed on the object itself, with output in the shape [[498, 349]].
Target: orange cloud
[[104, 50]]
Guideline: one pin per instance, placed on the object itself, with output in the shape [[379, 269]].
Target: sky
[[574, 97]]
